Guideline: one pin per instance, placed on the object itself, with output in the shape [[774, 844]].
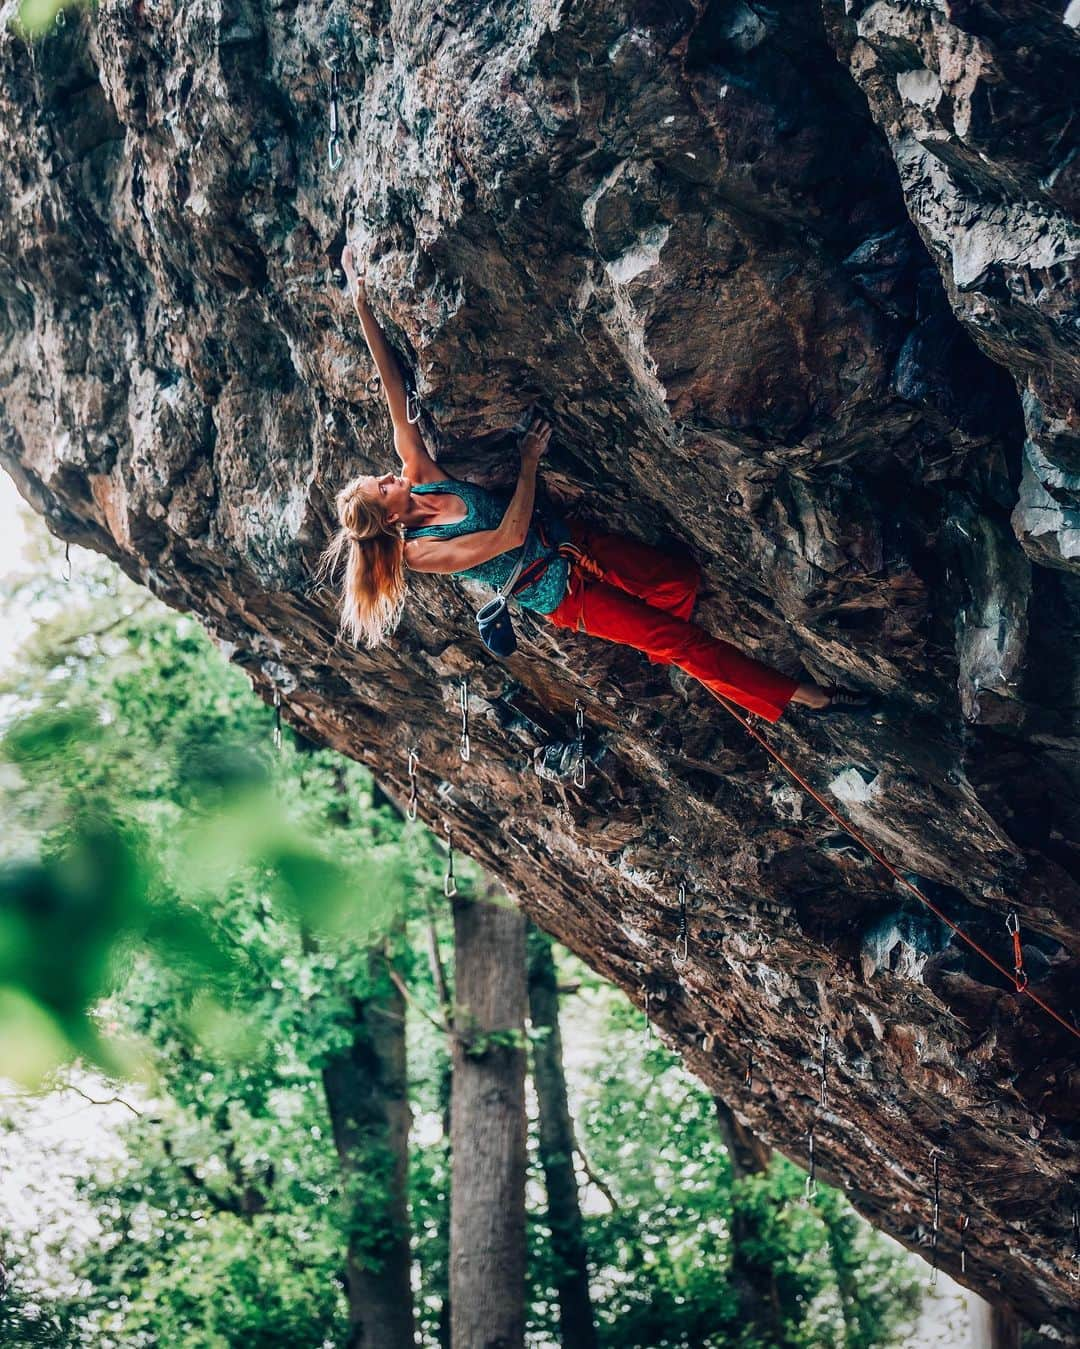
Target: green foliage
[[666, 1254], [182, 904]]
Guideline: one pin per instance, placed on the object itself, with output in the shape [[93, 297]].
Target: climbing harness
[[65, 574], [824, 1068], [449, 880], [334, 153], [810, 1190], [410, 809], [1012, 927], [277, 718], [965, 1223], [579, 767], [681, 949], [883, 861], [464, 748], [936, 1221]]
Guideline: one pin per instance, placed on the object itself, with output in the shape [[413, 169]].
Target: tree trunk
[[993, 1326], [557, 1151], [487, 1135], [755, 1285], [367, 1097]]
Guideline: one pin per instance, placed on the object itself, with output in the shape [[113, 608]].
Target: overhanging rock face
[[685, 231]]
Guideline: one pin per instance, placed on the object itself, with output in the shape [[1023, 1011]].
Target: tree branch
[[402, 988], [592, 1177], [113, 1100]]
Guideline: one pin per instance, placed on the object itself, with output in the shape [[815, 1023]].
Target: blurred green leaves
[[142, 800], [37, 17]]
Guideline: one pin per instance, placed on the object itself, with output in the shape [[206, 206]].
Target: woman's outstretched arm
[[409, 443], [449, 555]]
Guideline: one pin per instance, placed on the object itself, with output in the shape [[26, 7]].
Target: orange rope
[[884, 861]]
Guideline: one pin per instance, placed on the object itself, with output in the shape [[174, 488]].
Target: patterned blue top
[[485, 510]]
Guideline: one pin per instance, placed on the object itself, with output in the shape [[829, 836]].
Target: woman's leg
[[604, 611], [661, 580]]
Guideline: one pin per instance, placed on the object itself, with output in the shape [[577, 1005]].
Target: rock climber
[[576, 577]]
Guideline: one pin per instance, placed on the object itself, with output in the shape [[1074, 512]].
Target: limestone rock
[[685, 232]]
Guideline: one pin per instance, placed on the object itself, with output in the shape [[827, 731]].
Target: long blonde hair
[[373, 586]]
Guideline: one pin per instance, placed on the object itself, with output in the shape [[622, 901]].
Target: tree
[[367, 1097], [556, 1146], [487, 1217]]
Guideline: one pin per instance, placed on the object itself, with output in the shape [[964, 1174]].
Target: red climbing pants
[[627, 592]]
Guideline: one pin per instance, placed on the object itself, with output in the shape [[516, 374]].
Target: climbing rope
[[882, 860], [410, 809]]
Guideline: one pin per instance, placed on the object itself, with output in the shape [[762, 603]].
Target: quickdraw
[[410, 809], [579, 767], [412, 401], [681, 949], [965, 1223], [449, 880], [810, 1190], [334, 154], [464, 747], [1074, 1273], [935, 1223], [824, 1068], [748, 1079], [277, 719], [65, 574], [1012, 927]]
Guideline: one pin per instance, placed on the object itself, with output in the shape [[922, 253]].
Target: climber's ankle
[[811, 695]]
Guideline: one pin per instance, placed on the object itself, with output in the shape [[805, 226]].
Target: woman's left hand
[[350, 266], [535, 441]]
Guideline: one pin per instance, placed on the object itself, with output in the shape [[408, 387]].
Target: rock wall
[[797, 288]]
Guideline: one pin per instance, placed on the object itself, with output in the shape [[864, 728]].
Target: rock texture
[[797, 287]]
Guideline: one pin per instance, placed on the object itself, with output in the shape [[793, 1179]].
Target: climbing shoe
[[566, 760], [846, 700]]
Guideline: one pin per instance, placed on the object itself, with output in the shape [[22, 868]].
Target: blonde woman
[[421, 519]]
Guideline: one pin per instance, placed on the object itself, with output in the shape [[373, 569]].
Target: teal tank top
[[485, 510]]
